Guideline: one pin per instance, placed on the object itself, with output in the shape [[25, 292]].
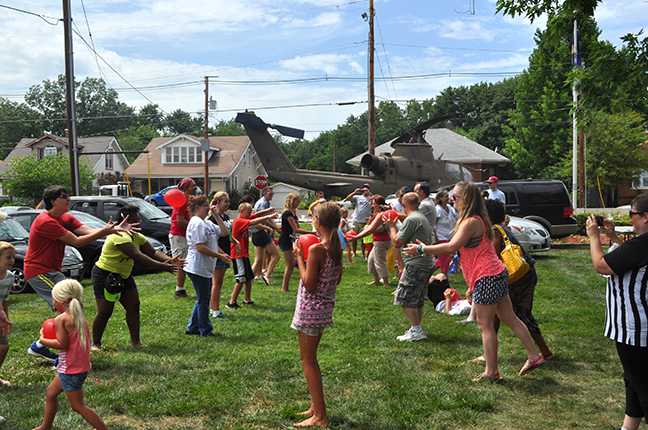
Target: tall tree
[[17, 120], [98, 109], [136, 139]]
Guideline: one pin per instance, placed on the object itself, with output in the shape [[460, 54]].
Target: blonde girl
[[289, 230], [315, 302], [486, 276], [73, 342]]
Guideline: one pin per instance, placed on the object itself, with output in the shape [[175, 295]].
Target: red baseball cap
[[366, 186], [493, 179]]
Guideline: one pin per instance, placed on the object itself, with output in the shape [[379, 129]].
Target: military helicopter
[[412, 161]]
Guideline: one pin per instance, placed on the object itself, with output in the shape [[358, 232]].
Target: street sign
[[260, 182]]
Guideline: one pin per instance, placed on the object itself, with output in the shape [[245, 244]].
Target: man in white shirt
[[494, 193]]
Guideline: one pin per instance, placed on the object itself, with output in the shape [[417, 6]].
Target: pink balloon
[[48, 329], [175, 198], [306, 241]]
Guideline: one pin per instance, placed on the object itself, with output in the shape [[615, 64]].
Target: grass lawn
[[250, 377]]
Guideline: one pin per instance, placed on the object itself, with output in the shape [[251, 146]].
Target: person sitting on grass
[[241, 258], [315, 302], [445, 299]]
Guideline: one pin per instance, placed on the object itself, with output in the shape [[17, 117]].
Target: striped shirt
[[626, 312]]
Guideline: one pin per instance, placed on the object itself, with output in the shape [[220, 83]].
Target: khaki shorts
[[412, 287], [178, 246]]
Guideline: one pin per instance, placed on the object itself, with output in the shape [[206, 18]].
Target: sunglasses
[[63, 196], [636, 213]]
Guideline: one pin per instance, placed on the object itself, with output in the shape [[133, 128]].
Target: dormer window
[[48, 150], [182, 155]]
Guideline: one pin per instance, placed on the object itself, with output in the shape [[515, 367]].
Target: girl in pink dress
[[315, 301]]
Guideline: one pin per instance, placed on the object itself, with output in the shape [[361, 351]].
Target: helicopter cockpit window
[[453, 171], [468, 177]]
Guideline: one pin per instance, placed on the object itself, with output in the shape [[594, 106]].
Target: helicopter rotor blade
[[250, 119], [289, 131], [405, 137]]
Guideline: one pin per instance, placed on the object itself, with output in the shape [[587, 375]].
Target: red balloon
[[306, 241], [48, 329], [350, 235], [391, 214], [175, 198]]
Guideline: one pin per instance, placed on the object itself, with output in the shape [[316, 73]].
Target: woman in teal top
[[112, 279]]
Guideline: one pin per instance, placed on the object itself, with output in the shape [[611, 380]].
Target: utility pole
[[70, 98], [372, 107], [574, 123], [206, 190]]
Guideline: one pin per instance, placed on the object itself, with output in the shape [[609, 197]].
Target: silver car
[[531, 235]]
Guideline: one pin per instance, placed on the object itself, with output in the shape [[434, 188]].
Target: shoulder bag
[[512, 258]]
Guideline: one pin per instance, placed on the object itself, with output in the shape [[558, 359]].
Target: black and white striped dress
[[626, 314]]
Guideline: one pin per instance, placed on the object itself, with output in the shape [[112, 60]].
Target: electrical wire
[[43, 17]]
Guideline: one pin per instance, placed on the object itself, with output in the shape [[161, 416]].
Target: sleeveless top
[[479, 259], [75, 359], [316, 309]]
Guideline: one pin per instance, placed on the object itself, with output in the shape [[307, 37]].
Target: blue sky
[[318, 48]]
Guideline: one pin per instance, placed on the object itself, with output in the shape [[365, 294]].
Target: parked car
[[12, 209], [531, 235], [11, 231], [155, 223], [544, 201], [157, 199], [91, 251]]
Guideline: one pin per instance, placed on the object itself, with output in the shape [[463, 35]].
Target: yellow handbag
[[513, 258]]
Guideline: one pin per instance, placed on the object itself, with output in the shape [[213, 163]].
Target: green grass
[[250, 375]]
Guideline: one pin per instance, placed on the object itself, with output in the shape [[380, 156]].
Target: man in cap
[[494, 193], [362, 199], [180, 218]]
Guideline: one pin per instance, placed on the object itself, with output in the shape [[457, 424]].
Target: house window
[[182, 155], [109, 159], [245, 159], [235, 182], [50, 150], [642, 181]]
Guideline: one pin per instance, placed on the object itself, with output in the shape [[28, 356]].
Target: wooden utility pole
[[206, 190], [372, 107], [70, 99]]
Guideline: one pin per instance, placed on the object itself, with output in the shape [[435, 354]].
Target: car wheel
[[153, 202], [20, 283]]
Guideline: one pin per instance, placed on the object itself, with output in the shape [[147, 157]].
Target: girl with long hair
[[289, 230]]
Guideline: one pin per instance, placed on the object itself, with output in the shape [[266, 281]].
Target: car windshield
[[89, 220], [10, 230], [149, 211]]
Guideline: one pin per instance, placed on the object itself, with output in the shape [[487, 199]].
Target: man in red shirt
[[50, 232], [180, 218]]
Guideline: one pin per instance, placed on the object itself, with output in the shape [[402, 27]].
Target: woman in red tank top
[[485, 275]]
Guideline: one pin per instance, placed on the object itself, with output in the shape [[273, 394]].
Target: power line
[[43, 17]]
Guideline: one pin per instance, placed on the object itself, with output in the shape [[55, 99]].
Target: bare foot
[[313, 422], [284, 291], [394, 292], [3, 382], [138, 345], [372, 283], [307, 413]]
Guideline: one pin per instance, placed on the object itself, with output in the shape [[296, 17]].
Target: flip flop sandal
[[485, 377], [532, 365]]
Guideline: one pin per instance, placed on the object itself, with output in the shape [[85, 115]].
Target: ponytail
[[71, 292]]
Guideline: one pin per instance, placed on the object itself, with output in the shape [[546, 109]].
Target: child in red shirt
[[241, 260]]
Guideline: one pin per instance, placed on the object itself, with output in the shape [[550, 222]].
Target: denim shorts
[[73, 382], [221, 265]]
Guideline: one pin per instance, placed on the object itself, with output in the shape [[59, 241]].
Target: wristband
[[420, 249]]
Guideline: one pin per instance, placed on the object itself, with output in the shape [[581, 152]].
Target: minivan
[[544, 201]]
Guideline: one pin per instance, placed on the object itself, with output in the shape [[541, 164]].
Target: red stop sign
[[260, 182]]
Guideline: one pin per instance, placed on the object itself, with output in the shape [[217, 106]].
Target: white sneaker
[[412, 336], [2, 420]]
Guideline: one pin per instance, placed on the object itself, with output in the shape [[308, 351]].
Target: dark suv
[[544, 201], [155, 222]]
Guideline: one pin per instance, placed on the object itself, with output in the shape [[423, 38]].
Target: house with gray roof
[[450, 146], [95, 151]]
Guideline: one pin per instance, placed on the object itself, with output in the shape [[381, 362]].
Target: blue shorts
[[221, 265], [73, 382]]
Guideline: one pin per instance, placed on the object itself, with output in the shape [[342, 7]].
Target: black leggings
[[635, 375]]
